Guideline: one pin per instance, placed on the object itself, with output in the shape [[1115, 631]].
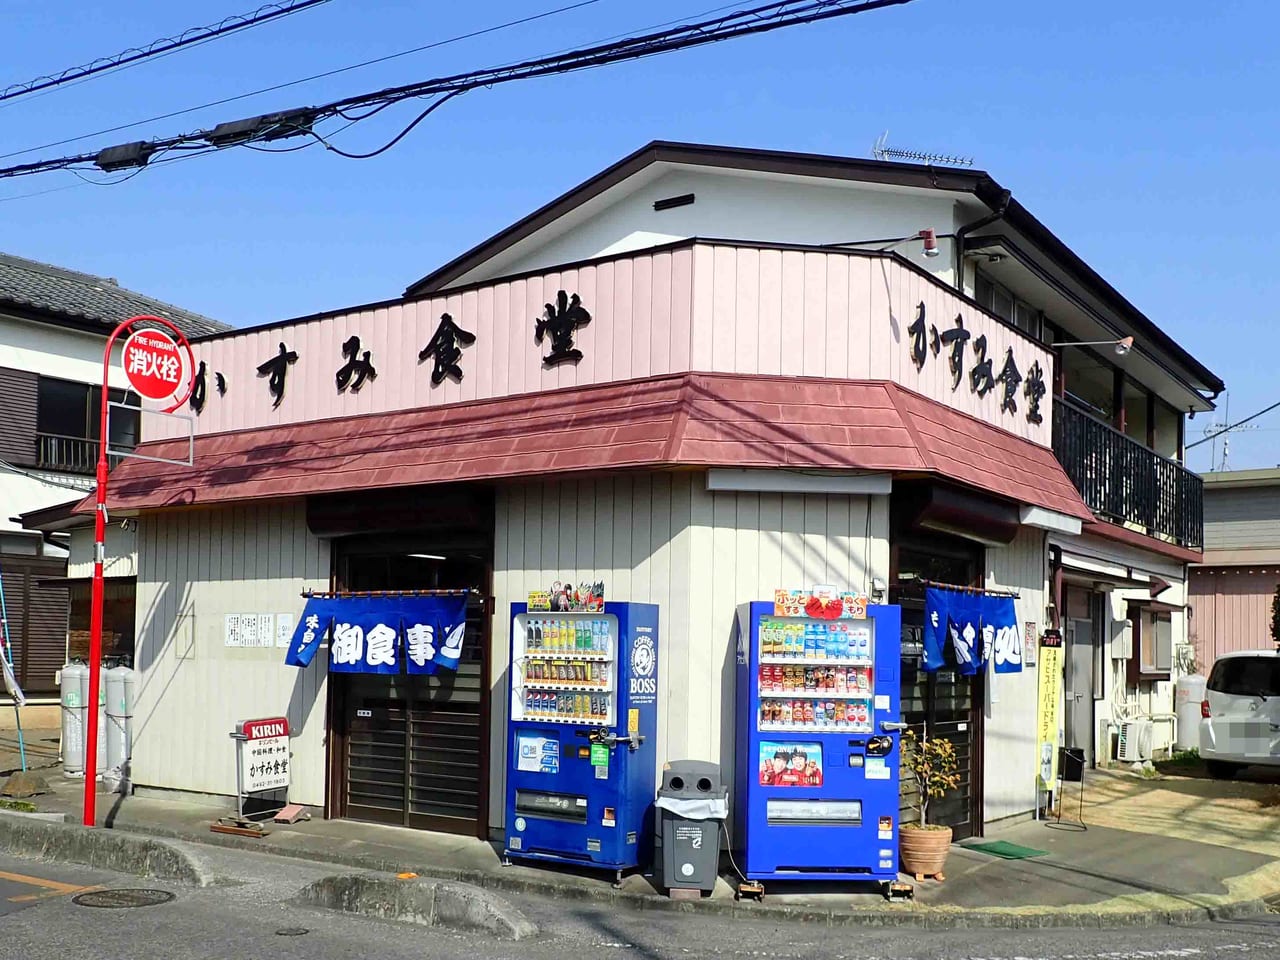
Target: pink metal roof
[[682, 420]]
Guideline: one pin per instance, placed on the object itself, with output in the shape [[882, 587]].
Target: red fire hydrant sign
[[153, 364]]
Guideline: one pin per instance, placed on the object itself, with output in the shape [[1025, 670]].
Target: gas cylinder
[[120, 685], [1187, 694], [102, 717], [73, 718]]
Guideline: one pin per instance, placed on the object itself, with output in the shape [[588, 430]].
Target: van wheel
[[1220, 770]]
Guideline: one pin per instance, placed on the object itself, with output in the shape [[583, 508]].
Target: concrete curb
[[431, 903], [32, 839], [1085, 916]]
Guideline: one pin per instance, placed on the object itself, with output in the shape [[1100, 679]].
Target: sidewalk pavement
[[41, 749], [1165, 851]]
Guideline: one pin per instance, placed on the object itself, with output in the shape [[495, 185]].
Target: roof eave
[[706, 155]]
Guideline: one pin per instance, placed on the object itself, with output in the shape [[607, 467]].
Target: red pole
[[99, 553]]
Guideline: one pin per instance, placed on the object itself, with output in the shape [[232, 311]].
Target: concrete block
[[431, 903], [26, 837]]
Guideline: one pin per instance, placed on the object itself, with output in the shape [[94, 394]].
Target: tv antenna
[[1212, 431], [882, 151]]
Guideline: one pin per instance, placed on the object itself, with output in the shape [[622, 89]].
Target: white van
[[1241, 713]]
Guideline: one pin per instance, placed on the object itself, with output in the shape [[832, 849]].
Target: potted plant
[[924, 846]]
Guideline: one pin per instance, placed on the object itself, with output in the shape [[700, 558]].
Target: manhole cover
[[292, 932], [119, 899]]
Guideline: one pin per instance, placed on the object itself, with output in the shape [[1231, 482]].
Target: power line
[[315, 76], [301, 121], [191, 37], [1238, 423]]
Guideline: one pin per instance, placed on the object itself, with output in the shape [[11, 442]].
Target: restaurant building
[[704, 374]]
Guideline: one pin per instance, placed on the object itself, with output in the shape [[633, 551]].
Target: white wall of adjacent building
[[56, 352]]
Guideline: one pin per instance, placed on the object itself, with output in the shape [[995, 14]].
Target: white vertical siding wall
[[195, 567], [1009, 750], [120, 559], [664, 539]]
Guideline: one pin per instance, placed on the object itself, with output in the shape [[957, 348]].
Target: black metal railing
[[69, 454], [1125, 482]]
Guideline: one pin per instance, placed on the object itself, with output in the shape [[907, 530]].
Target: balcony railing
[[68, 454], [1125, 482]]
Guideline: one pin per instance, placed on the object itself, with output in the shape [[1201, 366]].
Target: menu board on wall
[[256, 629]]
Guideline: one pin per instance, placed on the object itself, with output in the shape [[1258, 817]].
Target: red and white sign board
[[153, 364], [264, 754]]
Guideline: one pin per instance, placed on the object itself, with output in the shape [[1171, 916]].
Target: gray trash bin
[[692, 804]]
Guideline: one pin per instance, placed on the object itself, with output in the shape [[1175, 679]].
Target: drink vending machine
[[818, 746], [581, 738]]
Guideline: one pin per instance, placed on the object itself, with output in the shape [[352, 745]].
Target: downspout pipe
[[997, 213]]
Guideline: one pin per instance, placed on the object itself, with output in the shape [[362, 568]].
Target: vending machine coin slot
[[879, 746]]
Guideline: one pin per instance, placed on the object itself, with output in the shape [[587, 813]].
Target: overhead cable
[[191, 37], [301, 80], [301, 121]]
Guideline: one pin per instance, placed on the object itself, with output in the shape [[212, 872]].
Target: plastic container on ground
[[692, 804]]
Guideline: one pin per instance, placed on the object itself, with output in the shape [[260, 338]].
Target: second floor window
[[67, 425], [1006, 306]]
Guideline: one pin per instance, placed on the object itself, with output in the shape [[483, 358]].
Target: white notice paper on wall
[[248, 630], [266, 629], [232, 636], [284, 629]]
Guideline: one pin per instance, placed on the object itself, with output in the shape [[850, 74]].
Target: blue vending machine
[[818, 744], [581, 739]]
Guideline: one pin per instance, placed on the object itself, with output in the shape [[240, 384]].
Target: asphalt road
[[252, 918]]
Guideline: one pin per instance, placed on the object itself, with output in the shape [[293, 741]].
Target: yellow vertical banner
[[1050, 693]]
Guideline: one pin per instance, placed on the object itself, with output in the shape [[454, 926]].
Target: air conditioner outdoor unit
[[1135, 741]]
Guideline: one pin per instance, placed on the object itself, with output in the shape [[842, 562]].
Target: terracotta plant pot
[[924, 852]]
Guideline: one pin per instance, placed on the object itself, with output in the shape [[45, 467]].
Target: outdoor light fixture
[[1122, 346], [928, 237]]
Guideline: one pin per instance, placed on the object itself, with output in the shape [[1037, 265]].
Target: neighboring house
[[743, 389], [53, 328], [1232, 590]]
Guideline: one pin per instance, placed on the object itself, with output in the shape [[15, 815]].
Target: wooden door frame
[[975, 555], [335, 806]]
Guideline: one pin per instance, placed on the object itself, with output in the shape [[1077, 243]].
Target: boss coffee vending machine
[[581, 738]]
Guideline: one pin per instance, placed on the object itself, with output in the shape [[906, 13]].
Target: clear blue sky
[[1144, 134]]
